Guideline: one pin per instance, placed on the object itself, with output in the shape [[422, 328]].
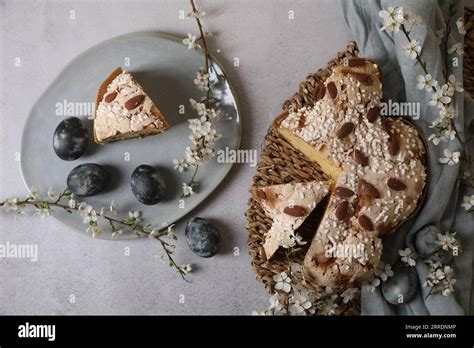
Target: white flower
[[95, 230], [199, 127], [199, 107], [71, 203], [283, 282], [53, 195], [11, 205], [426, 82], [412, 49], [383, 271], [191, 156], [458, 48], [135, 215], [447, 241], [259, 313], [114, 234], [82, 206], [396, 14], [286, 239], [187, 269], [299, 240], [460, 25], [435, 275], [448, 286], [89, 214], [448, 90], [438, 98], [187, 190], [42, 212], [391, 25], [190, 41], [299, 304], [212, 113], [448, 112], [196, 14], [393, 18], [451, 158], [449, 134], [330, 307], [202, 80], [275, 303], [435, 138], [180, 165], [468, 202], [349, 294], [371, 285], [34, 193], [406, 257], [456, 84]]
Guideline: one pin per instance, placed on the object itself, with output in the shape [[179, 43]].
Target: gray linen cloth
[[445, 193]]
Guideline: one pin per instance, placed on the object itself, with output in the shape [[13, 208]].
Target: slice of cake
[[288, 205], [124, 110]]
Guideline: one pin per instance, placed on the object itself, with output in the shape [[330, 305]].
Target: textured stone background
[[275, 54]]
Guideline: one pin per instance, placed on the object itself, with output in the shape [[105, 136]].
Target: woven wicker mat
[[281, 163]]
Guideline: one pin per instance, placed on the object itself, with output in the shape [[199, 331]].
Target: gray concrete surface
[[76, 274]]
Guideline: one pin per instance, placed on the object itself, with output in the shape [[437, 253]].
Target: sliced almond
[[332, 89], [393, 145], [361, 77], [387, 125], [295, 211], [345, 130], [357, 62], [368, 189], [365, 223], [319, 93], [110, 97], [373, 114], [344, 192], [134, 102], [360, 158], [342, 210], [396, 184]]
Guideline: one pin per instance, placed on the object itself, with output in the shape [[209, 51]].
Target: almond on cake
[[124, 110]]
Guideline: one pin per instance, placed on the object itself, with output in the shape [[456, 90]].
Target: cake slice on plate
[[288, 205], [124, 110]]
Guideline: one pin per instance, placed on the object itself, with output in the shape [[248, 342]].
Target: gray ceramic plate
[[166, 69]]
